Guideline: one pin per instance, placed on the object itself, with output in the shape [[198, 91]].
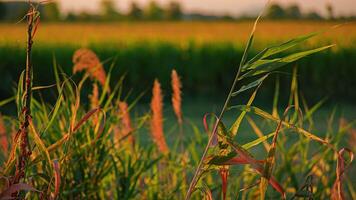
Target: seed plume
[[157, 118], [126, 127], [176, 96], [86, 59]]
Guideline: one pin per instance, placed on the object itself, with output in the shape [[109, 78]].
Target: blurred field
[[202, 52], [200, 32]]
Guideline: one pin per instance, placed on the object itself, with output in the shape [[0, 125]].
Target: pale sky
[[233, 7]]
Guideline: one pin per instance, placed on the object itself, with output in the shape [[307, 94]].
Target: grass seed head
[[157, 118], [126, 126], [176, 96], [86, 59]]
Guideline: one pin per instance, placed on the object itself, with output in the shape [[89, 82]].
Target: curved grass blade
[[38, 141], [337, 192], [6, 101], [268, 116]]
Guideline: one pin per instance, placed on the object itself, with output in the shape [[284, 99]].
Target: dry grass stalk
[[157, 118], [126, 127], [3, 138], [86, 59], [176, 96], [25, 151]]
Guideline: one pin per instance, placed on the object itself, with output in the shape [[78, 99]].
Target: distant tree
[[135, 12], [51, 12], [108, 10], [313, 16], [293, 12], [227, 17], [153, 11], [173, 11], [275, 11], [2, 10], [330, 10], [71, 17]]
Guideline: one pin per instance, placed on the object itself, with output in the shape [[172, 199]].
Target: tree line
[[155, 12]]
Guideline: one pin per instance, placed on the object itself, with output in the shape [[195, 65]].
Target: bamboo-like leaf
[[258, 141], [270, 51], [264, 66], [250, 85], [235, 127]]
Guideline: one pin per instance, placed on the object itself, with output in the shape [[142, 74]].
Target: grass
[[82, 151]]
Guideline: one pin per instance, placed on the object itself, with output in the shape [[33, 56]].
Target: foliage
[[318, 75], [81, 151]]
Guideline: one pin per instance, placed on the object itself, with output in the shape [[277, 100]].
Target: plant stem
[[24, 144], [227, 101]]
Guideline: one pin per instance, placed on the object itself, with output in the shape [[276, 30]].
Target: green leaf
[[19, 94], [250, 85], [269, 51], [263, 66], [257, 141], [235, 127]]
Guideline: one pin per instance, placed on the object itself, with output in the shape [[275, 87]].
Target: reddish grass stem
[[25, 151], [227, 101]]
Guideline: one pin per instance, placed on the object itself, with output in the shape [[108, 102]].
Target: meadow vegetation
[[93, 147]]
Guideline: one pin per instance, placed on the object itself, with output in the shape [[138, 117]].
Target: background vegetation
[[201, 51]]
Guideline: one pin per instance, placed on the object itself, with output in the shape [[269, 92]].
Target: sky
[[232, 7]]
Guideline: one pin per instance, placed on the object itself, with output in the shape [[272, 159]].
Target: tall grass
[[97, 150]]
